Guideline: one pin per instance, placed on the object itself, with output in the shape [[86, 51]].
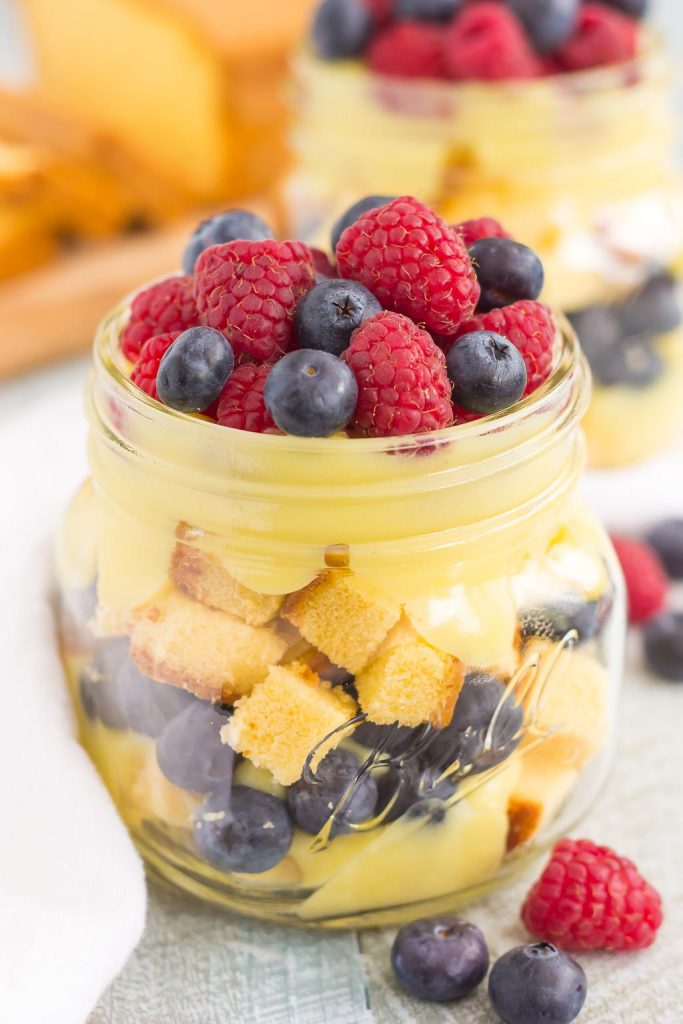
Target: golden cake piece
[[214, 655], [343, 617], [285, 718], [410, 682], [540, 791]]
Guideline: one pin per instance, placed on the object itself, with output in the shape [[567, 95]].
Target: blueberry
[[341, 29], [598, 330], [224, 227], [634, 8], [667, 540], [440, 958], [631, 363], [569, 613], [311, 803], [548, 22], [392, 738], [537, 984], [465, 739], [190, 752], [148, 705], [310, 393], [194, 370], [653, 309], [243, 830], [98, 685], [354, 213], [406, 784], [328, 315], [426, 10], [664, 646], [507, 271], [487, 373]]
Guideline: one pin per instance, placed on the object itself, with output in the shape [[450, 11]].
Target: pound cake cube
[[285, 718], [540, 790], [343, 617], [410, 682], [214, 655], [204, 577]]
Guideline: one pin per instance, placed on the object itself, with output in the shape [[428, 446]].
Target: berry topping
[[506, 271], [409, 49], [426, 10], [646, 584], [243, 830], [167, 307], [403, 387], [413, 262], [487, 372], [614, 359], [311, 803], [356, 211], [537, 984], [341, 29], [487, 41], [530, 327], [483, 227], [147, 367], [440, 959], [230, 226], [664, 646], [482, 701], [548, 22], [603, 36], [654, 308], [311, 393], [193, 371], [323, 265], [589, 897], [328, 315], [667, 540], [249, 291], [242, 405], [190, 751]]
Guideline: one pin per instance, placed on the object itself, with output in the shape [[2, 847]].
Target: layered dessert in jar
[[555, 117], [343, 640]]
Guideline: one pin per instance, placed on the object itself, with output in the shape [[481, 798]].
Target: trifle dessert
[[343, 640], [556, 118]]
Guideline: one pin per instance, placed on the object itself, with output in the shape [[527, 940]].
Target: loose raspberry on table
[[530, 326], [472, 231], [413, 262], [487, 41], [409, 49], [603, 36], [647, 585], [162, 308], [403, 387], [241, 404], [145, 370], [590, 898], [249, 291]]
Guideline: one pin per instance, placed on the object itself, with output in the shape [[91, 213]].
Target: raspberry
[[589, 897], [145, 370], [161, 309], [409, 49], [461, 415], [241, 403], [381, 10], [603, 36], [530, 326], [249, 291], [403, 387], [413, 262], [322, 264], [472, 231], [486, 41], [647, 585]]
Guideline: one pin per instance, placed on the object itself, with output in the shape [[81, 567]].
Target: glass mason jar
[[580, 166], [340, 681]]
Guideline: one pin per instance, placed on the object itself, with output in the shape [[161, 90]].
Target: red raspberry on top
[[241, 403], [145, 370], [472, 231], [249, 291], [647, 585], [403, 387], [603, 36], [409, 49], [413, 262], [589, 897], [487, 41], [160, 309], [530, 326]]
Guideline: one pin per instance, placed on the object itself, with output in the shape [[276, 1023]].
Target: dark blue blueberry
[[194, 370], [243, 830], [598, 330], [465, 739], [328, 315], [440, 958], [341, 29], [408, 783], [311, 803], [548, 22], [190, 751], [148, 705], [487, 372], [426, 10], [631, 362], [570, 613], [664, 646], [310, 393], [507, 271], [634, 8], [353, 214], [667, 540], [653, 309], [537, 984], [393, 739], [99, 688], [230, 226]]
